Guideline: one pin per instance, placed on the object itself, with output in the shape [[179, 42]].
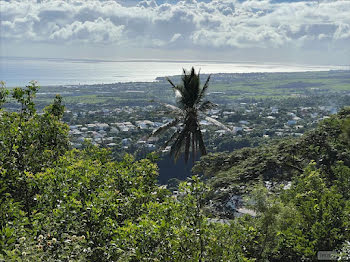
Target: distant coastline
[[18, 71]]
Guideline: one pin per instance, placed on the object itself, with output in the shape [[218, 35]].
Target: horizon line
[[135, 60]]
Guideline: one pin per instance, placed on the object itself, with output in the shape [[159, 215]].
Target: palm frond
[[194, 149], [165, 127], [174, 109], [171, 82], [172, 138], [187, 147], [203, 91], [207, 105], [201, 143], [177, 145], [217, 123]]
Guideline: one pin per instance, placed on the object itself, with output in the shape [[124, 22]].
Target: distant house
[[75, 132], [126, 141], [297, 134], [108, 139], [204, 123], [114, 130], [80, 139], [141, 125], [157, 124], [124, 129], [220, 132], [214, 111], [244, 122], [150, 146], [291, 122], [167, 149], [96, 135], [274, 110], [98, 139], [237, 128], [102, 132], [102, 126], [91, 126]]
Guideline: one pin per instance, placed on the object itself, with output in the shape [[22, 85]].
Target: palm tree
[[190, 105]]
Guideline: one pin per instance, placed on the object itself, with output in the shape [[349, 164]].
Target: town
[[122, 116]]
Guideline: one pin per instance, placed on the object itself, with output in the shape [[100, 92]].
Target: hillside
[[278, 162], [64, 204]]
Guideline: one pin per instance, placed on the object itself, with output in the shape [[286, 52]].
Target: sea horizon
[[19, 71]]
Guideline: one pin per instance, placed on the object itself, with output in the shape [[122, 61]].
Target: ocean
[[15, 71]]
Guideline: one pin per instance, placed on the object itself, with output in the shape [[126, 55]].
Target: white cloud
[[189, 23], [342, 32], [98, 31], [175, 38]]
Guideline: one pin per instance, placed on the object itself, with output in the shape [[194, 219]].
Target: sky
[[289, 31]]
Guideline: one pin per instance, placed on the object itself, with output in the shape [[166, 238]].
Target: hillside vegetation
[[281, 160], [62, 204]]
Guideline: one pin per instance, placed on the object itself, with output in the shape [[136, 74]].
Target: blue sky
[[311, 32]]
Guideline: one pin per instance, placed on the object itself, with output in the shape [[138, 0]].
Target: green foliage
[[323, 212], [296, 223], [29, 143], [177, 230], [291, 224], [80, 205], [346, 129], [280, 160], [3, 94]]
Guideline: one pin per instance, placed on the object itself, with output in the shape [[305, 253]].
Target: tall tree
[[191, 104]]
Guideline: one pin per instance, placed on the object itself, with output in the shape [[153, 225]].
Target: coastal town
[[124, 128], [255, 107]]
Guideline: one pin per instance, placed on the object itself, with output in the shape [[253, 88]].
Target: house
[[167, 149], [114, 130], [150, 146], [91, 126], [102, 126], [291, 122], [220, 132], [274, 110], [102, 132], [141, 125], [237, 128], [75, 132], [126, 141], [204, 123]]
